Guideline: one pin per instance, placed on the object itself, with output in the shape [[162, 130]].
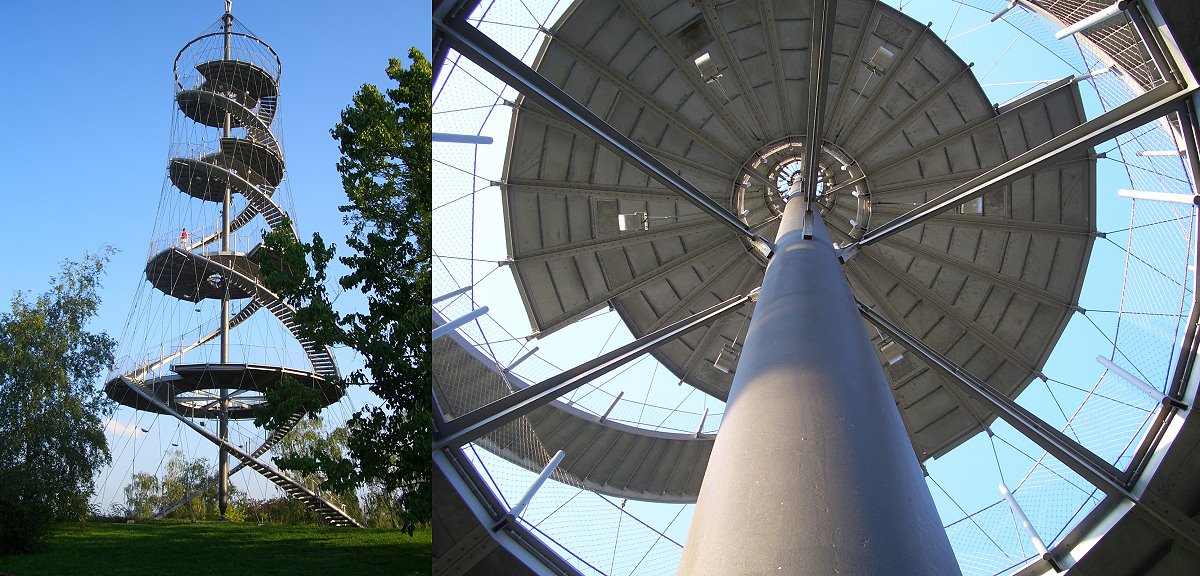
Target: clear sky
[[87, 103]]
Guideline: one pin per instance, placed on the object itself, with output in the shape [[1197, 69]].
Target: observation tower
[[206, 299], [813, 214]]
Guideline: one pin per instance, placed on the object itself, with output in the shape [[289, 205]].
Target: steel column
[[223, 456], [812, 472]]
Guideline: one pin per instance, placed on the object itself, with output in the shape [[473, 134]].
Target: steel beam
[[487, 54], [1145, 108], [1073, 455], [820, 49], [812, 470], [481, 421]]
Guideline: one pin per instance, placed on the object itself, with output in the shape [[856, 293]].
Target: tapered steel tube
[[223, 454], [812, 471]]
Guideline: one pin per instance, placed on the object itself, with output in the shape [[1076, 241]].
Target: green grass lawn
[[223, 549]]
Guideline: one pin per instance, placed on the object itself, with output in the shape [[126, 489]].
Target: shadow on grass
[[169, 548]]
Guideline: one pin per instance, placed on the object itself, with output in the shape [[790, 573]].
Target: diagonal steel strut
[[1150, 106], [485, 52], [1073, 455], [273, 474], [481, 421]]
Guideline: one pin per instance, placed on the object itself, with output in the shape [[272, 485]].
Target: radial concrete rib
[[972, 269], [607, 242], [927, 296], [864, 34], [680, 161], [919, 105], [767, 15], [697, 84], [582, 310], [688, 299], [628, 89], [819, 52], [706, 342], [585, 190], [995, 223], [906, 55], [735, 63], [973, 127], [923, 451], [1142, 109]]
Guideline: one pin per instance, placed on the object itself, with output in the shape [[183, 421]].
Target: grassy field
[[223, 549]]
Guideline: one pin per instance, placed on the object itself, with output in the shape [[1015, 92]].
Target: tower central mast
[[223, 460]]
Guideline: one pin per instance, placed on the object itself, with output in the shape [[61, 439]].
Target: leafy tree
[[51, 417], [379, 509], [386, 142], [184, 476], [308, 440], [143, 495]]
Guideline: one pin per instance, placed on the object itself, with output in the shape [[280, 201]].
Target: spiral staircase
[[240, 99]]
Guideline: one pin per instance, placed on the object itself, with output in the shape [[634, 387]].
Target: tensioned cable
[[617, 538], [495, 23], [470, 194], [609, 338], [661, 534], [1131, 228], [1116, 349], [1098, 395], [1038, 462], [970, 517], [1066, 420]]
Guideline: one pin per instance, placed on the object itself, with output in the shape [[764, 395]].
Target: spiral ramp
[[229, 94]]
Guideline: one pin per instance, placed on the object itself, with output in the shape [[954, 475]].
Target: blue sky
[[87, 109]]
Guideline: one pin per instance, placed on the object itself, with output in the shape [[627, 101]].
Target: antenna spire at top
[[228, 6]]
